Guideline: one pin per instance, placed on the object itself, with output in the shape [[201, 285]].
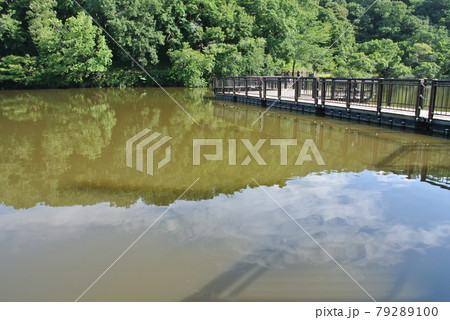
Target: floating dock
[[419, 104]]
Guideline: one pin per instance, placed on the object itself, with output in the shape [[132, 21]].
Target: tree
[[71, 52], [83, 49], [418, 53], [354, 64], [12, 36], [132, 23], [18, 70], [187, 42], [443, 58], [190, 67], [437, 10], [226, 57], [385, 56], [253, 59], [426, 70]]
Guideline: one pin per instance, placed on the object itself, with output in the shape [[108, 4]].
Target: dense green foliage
[[53, 43]]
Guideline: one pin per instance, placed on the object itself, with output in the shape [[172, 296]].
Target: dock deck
[[419, 104]]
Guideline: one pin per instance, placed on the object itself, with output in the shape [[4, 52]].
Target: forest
[[83, 43]]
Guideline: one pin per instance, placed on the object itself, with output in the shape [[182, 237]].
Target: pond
[[236, 218]]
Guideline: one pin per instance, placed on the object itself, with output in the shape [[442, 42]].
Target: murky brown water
[[69, 205]]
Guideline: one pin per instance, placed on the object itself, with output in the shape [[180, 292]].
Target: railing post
[[420, 98], [246, 87], [354, 89], [264, 88], [234, 86], [315, 91], [380, 95], [296, 85], [389, 95], [432, 100], [348, 93], [361, 94], [260, 87], [223, 85], [323, 90], [279, 88], [333, 89]]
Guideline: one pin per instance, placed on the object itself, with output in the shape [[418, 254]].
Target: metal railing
[[440, 97], [406, 95]]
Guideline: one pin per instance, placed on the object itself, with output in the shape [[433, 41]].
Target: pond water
[[373, 221]]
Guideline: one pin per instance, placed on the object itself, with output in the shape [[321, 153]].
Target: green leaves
[[190, 67], [196, 40], [133, 25], [18, 70], [11, 33], [83, 49], [385, 57], [70, 52]]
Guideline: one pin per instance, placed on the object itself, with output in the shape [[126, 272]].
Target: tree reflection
[[67, 147]]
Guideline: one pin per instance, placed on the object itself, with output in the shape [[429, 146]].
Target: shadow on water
[[233, 281]]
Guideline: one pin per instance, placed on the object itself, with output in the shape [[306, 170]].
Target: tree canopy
[[51, 43]]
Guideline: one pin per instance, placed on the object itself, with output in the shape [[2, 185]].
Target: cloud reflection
[[349, 214]]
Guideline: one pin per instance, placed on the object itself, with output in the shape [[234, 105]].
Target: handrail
[[379, 94]]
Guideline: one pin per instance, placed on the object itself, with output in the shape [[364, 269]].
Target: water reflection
[[75, 153], [379, 205]]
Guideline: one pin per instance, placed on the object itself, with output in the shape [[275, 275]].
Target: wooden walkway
[[338, 104], [422, 104]]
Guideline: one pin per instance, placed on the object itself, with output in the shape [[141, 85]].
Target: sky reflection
[[353, 215]]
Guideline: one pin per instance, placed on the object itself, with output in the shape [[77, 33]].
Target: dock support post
[[348, 93], [389, 95], [361, 93], [234, 86], [246, 87], [315, 90], [432, 100], [279, 88], [380, 95], [323, 93], [260, 87], [420, 96], [223, 85], [264, 88], [296, 84], [333, 89]]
